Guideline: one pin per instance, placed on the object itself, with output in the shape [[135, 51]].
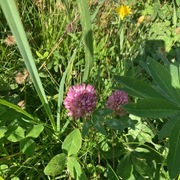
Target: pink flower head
[[80, 101], [116, 100]]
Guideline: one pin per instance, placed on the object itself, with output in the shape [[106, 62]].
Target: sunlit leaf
[[16, 135], [56, 165], [72, 142], [35, 131], [3, 130], [75, 169]]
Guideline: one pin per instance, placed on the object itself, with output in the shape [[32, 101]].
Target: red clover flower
[[116, 100], [80, 101]]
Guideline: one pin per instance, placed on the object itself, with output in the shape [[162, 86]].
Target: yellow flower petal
[[141, 19], [123, 11]]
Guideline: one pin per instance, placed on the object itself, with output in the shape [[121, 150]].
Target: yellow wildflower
[[141, 19], [123, 11]]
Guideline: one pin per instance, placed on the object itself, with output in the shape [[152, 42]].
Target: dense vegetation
[[120, 58]]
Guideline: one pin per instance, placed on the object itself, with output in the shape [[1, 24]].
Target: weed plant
[[85, 41]]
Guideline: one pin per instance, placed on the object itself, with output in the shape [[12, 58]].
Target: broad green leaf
[[98, 125], [142, 132], [173, 159], [72, 142], [86, 128], [164, 80], [56, 165], [142, 167], [114, 124], [75, 170], [121, 123], [35, 131], [152, 108], [3, 130], [137, 87], [167, 128], [16, 135], [102, 112], [125, 167], [27, 146]]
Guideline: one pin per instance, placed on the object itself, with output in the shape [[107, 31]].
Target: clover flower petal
[[116, 100], [80, 101]]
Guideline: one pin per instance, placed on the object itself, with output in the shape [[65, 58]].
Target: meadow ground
[[89, 89]]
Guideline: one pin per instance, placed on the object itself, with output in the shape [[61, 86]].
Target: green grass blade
[[87, 35], [11, 13], [61, 88], [16, 108]]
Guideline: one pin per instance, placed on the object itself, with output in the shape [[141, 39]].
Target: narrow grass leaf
[[11, 13], [16, 108], [174, 14], [87, 35], [173, 159], [61, 89]]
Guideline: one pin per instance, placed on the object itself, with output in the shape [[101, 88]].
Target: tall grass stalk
[[87, 35], [16, 108], [12, 16], [61, 88]]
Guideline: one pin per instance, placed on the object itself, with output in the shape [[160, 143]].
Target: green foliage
[[56, 165], [72, 143], [87, 36], [70, 146], [17, 29], [168, 84], [173, 159], [83, 41], [75, 169]]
